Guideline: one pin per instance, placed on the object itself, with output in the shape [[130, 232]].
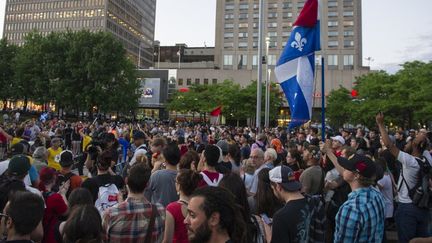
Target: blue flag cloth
[[295, 68]]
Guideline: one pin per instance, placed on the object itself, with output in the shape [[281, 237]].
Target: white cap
[[339, 138]]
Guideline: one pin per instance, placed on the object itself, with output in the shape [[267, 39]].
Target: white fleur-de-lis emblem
[[299, 42]]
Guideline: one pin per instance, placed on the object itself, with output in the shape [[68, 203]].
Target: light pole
[[259, 62], [267, 86], [159, 56]]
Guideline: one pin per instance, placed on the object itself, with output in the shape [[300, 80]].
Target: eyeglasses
[[255, 157]]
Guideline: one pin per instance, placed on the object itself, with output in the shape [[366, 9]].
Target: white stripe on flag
[[287, 70], [305, 78]]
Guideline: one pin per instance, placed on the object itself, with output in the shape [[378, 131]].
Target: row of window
[[52, 25], [274, 15], [227, 35], [255, 25], [197, 81], [52, 5], [228, 26], [345, 14], [333, 60], [18, 37], [242, 60], [272, 44], [49, 15], [245, 6]]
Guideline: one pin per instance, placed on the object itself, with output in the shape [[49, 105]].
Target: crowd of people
[[129, 182]]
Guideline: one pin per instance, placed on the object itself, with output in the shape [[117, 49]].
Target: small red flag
[[217, 111]]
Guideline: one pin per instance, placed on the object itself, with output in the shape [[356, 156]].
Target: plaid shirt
[[129, 220], [361, 217]]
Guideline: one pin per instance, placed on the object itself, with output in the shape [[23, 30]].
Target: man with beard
[[214, 217]]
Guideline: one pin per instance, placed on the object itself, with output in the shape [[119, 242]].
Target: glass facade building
[[131, 21]]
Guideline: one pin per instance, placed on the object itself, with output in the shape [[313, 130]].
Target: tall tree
[[7, 54]]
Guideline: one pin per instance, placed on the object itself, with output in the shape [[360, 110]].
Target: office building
[[236, 43], [130, 21]]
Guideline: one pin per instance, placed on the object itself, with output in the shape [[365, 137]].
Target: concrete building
[[236, 43], [169, 57], [131, 21]]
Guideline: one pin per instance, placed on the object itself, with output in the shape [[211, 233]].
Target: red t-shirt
[[55, 207], [180, 231], [3, 139]]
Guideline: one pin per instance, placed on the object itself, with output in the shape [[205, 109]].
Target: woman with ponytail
[[175, 229]]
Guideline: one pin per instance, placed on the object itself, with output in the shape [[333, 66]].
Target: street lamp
[[267, 86], [158, 52]]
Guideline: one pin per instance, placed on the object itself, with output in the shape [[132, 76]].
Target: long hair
[[233, 183], [83, 225], [265, 199]]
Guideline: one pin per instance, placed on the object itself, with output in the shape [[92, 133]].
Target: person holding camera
[[411, 220]]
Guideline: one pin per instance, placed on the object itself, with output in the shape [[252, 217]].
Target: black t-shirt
[[68, 134], [93, 184], [290, 223]]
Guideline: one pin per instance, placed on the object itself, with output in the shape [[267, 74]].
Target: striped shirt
[[361, 217], [128, 221]]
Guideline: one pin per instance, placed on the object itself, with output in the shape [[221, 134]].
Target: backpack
[[421, 194], [318, 222], [61, 180], [107, 197], [209, 181]]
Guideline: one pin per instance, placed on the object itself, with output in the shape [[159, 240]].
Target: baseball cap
[[19, 165], [223, 145], [138, 135], [284, 176], [18, 148], [339, 138], [359, 164], [65, 158], [314, 150], [47, 174]]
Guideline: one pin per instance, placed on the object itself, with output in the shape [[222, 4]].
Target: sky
[[394, 31]]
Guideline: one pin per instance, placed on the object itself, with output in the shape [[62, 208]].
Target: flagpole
[[267, 85], [322, 100], [259, 62]]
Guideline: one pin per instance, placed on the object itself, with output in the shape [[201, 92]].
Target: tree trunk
[[25, 104]]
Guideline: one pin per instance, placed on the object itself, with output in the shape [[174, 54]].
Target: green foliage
[[404, 97], [338, 106], [7, 54], [76, 70], [237, 103]]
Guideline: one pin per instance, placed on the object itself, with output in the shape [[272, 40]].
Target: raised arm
[[384, 134], [329, 152]]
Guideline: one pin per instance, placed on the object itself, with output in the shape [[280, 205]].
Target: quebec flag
[[296, 66]]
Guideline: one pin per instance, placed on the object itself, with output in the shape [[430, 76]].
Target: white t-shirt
[[410, 169], [387, 192]]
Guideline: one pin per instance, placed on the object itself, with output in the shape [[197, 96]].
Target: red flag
[[217, 111]]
